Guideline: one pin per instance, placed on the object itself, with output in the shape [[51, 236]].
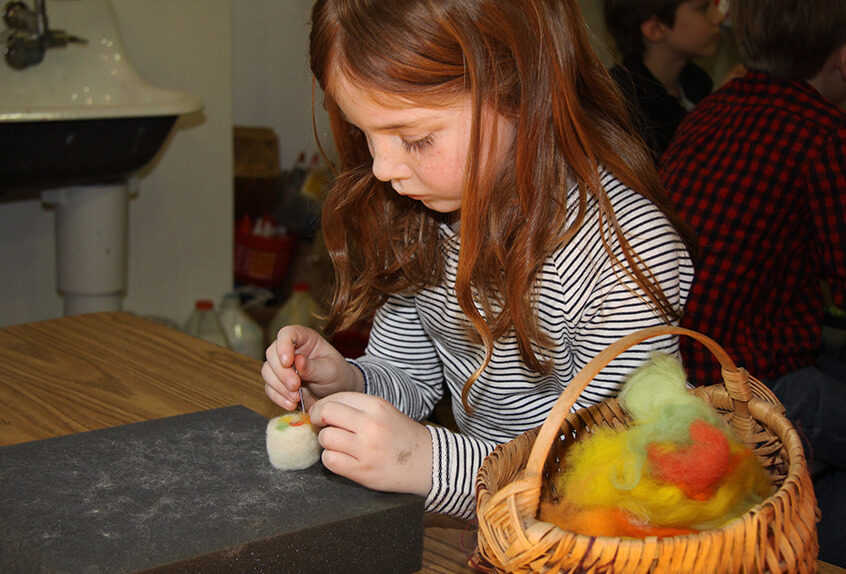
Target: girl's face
[[696, 31], [421, 151]]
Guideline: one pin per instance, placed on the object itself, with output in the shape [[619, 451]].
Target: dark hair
[[623, 19], [529, 60], [788, 39]]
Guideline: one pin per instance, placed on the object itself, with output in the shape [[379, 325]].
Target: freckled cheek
[[445, 172]]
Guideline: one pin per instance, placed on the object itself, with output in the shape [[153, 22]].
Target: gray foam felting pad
[[192, 493]]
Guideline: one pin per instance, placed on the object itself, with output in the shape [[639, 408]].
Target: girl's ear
[[654, 30]]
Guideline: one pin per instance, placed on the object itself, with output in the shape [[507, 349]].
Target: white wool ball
[[292, 442]]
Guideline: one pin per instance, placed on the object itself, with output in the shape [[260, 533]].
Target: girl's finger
[[338, 439], [280, 399], [340, 463], [333, 411]]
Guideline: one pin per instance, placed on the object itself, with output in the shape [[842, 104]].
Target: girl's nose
[[388, 163], [381, 167]]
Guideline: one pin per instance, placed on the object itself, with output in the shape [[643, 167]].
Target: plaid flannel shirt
[[759, 170]]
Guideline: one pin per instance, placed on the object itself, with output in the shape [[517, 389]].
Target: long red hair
[[530, 60]]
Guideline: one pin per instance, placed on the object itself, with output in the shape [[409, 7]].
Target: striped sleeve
[[401, 363]]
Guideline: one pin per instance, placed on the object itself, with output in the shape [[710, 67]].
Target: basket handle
[[736, 381]]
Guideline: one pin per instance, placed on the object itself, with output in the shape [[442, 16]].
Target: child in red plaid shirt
[[758, 169]]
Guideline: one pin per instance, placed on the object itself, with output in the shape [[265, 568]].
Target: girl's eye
[[417, 145]]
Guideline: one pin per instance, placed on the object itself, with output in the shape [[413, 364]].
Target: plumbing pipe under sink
[[91, 223]]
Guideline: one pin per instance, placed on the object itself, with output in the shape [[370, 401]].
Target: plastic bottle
[[299, 309], [203, 323], [242, 331]]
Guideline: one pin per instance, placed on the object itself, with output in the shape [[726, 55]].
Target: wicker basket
[[778, 535]]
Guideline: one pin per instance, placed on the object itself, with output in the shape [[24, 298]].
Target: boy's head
[[624, 19], [636, 24], [788, 39]]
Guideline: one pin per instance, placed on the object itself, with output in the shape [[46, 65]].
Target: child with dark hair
[[758, 168], [658, 39]]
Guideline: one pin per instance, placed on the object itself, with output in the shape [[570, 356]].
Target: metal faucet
[[29, 36]]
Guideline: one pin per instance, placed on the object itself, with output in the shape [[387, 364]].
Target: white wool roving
[[292, 442]]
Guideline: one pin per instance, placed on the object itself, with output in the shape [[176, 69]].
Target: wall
[[180, 236], [272, 81], [592, 12]]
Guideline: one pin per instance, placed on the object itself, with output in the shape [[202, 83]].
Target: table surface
[[100, 370]]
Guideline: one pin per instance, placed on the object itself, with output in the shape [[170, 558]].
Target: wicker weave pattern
[[779, 535]]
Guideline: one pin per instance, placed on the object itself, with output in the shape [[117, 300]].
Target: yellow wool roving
[[676, 470]]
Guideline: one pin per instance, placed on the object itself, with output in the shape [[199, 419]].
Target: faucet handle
[[23, 50], [18, 16], [29, 35]]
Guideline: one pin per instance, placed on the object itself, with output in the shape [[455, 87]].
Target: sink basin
[[44, 154], [83, 114]]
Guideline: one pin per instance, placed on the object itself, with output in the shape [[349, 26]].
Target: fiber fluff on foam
[[676, 470]]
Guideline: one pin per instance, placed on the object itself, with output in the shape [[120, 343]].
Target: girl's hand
[[301, 357], [367, 440]]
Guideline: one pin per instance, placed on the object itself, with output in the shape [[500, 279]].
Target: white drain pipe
[[91, 245]]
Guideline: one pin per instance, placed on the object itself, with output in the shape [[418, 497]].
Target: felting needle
[[302, 403]]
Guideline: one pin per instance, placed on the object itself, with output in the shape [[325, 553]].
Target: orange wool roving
[[697, 467], [676, 470]]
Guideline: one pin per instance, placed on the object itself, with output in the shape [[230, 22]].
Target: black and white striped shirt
[[418, 343]]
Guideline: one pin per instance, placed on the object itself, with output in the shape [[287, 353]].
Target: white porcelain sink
[[74, 127], [83, 114]]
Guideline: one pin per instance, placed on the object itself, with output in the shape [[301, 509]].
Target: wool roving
[[677, 469]]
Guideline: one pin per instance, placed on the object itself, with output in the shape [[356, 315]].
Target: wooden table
[[94, 371]]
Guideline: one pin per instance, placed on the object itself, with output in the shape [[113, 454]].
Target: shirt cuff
[[356, 364], [435, 495], [450, 493]]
